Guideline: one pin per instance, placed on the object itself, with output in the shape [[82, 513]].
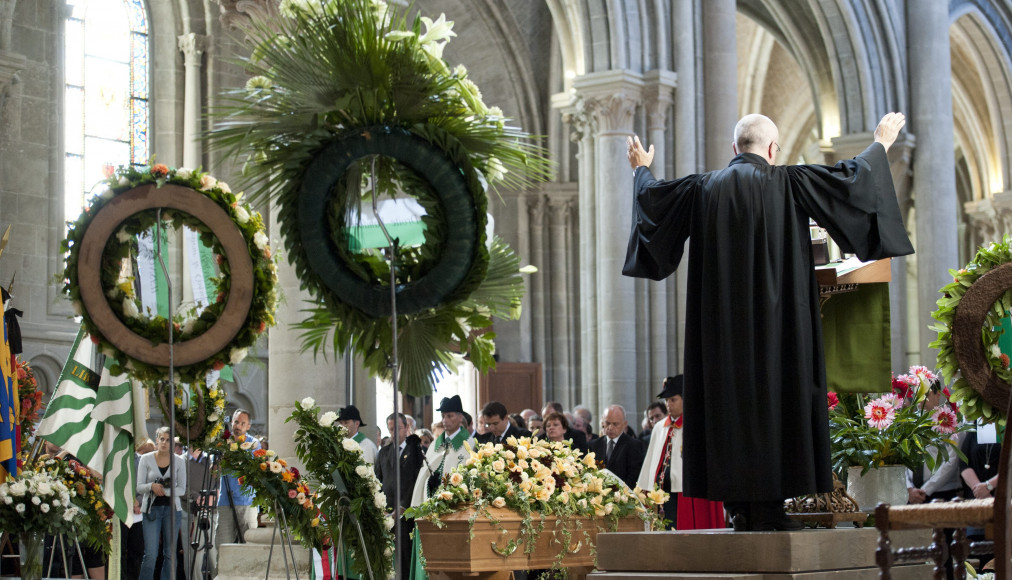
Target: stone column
[[720, 80], [658, 98], [561, 334], [537, 284], [930, 118], [192, 46], [291, 374], [612, 98]]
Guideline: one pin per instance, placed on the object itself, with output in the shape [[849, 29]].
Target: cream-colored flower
[[456, 478], [246, 445], [224, 187], [187, 327], [237, 355], [522, 452], [499, 502], [123, 236], [445, 495], [388, 523], [476, 492], [589, 459], [233, 447], [351, 445], [184, 173], [261, 240], [241, 215], [440, 30], [301, 498], [328, 419], [276, 467], [499, 465], [494, 170], [130, 308], [258, 83], [398, 35], [207, 182], [380, 499], [362, 470], [307, 403], [123, 181]]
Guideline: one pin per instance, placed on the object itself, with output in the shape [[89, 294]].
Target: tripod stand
[[203, 529]]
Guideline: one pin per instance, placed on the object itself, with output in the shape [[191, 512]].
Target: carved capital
[[613, 113], [611, 97], [536, 208], [237, 14], [559, 209], [983, 219], [658, 95], [192, 46]]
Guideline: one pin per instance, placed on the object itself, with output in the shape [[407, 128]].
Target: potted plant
[[874, 440]]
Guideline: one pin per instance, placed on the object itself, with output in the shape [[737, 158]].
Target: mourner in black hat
[[351, 419], [446, 452]]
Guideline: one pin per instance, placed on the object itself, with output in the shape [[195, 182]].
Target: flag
[[8, 408], [91, 417]]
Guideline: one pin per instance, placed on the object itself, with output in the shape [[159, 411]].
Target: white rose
[[388, 523], [36, 500], [213, 417], [130, 308], [45, 508], [20, 508], [237, 355], [380, 499], [188, 325], [124, 181], [351, 445], [8, 499], [184, 173], [362, 471], [261, 240], [224, 187], [18, 488], [328, 419], [241, 214], [68, 515], [456, 478], [308, 403], [44, 488], [499, 502]]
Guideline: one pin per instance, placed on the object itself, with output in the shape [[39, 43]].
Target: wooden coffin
[[452, 549]]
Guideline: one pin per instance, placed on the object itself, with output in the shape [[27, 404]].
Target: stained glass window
[[106, 93]]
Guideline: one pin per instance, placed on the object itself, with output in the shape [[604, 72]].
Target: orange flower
[[283, 462], [263, 467], [287, 476], [218, 365], [159, 170], [260, 453]]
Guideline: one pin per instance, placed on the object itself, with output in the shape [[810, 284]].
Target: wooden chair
[[992, 514]]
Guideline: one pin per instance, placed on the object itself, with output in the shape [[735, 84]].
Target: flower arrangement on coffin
[[972, 404], [895, 428], [347, 486], [37, 501], [277, 485], [123, 247], [94, 525], [356, 80], [537, 478], [31, 401]]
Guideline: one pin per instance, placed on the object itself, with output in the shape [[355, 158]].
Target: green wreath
[[107, 301], [968, 332], [339, 83]]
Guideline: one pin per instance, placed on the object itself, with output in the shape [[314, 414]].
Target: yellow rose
[[315, 522], [499, 465]]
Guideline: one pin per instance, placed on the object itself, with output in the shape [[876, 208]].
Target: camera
[[163, 481]]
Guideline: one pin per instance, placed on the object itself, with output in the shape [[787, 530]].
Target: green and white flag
[[91, 417]]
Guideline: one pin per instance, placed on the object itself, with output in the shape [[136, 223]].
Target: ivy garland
[[119, 290], [972, 404]]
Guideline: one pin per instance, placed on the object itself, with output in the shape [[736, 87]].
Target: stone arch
[[47, 372]]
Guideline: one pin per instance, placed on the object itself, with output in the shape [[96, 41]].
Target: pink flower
[[880, 414], [892, 399], [833, 400], [945, 420], [923, 372], [292, 493]]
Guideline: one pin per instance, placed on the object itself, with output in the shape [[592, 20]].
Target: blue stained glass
[[139, 64], [138, 15], [139, 143]]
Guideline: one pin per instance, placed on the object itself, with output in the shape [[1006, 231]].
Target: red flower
[[1004, 360], [221, 296], [241, 479], [901, 388], [219, 259], [226, 434], [834, 400], [262, 327], [218, 365], [295, 473], [108, 170], [159, 170], [95, 338]]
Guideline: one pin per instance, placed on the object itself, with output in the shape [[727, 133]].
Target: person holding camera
[[161, 479]]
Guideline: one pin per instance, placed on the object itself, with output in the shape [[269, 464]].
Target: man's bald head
[[755, 134]]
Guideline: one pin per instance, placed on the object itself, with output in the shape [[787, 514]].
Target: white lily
[[438, 31]]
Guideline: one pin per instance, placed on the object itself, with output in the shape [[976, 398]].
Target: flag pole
[[392, 248], [172, 390]]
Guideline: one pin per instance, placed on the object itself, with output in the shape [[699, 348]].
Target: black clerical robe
[[756, 422]]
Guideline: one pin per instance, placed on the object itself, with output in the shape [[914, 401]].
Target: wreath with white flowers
[[105, 237], [969, 316], [200, 411]]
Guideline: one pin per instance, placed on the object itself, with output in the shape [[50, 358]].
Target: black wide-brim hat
[[672, 387], [451, 405], [350, 413]]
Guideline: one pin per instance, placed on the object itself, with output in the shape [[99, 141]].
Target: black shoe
[[779, 525], [739, 523]]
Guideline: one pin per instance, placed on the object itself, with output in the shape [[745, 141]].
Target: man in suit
[[409, 448], [622, 454], [494, 417]]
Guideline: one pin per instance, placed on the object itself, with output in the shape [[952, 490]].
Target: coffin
[[453, 548]]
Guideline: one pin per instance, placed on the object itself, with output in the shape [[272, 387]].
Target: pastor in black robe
[[756, 420]]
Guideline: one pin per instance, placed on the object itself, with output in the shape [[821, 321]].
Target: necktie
[[611, 447]]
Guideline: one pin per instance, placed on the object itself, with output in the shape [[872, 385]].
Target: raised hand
[[636, 155], [888, 128]]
